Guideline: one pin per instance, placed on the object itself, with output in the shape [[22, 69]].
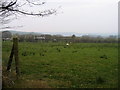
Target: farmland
[[55, 65]]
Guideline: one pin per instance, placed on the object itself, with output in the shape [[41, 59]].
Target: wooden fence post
[[10, 58], [15, 41], [14, 52]]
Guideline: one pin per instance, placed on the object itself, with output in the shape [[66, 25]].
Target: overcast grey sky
[[82, 16]]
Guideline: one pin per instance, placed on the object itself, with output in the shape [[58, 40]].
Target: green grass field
[[55, 65]]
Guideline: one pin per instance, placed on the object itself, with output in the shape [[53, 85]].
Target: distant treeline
[[59, 38], [73, 38]]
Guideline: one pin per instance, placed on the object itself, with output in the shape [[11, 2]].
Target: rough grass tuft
[[100, 80]]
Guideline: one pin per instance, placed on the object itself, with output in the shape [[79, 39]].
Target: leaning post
[[15, 43], [10, 59], [14, 52]]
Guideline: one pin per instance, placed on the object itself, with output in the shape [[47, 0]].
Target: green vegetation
[[79, 65]]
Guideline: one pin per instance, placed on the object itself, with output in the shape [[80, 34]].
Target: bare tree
[[10, 9]]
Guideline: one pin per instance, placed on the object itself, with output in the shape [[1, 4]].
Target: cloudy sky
[[81, 16]]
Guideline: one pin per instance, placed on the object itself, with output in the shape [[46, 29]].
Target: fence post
[[10, 58], [15, 41], [14, 52]]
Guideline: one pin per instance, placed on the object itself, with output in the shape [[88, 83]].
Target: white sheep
[[67, 44]]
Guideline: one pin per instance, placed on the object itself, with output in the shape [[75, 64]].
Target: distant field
[[55, 65]]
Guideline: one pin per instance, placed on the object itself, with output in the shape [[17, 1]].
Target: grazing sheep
[[67, 44]]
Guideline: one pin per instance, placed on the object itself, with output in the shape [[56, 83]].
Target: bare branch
[[47, 12], [36, 3], [13, 8], [10, 4]]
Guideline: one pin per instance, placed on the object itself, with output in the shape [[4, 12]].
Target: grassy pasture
[[55, 65]]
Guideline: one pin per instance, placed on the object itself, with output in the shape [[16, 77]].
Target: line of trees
[[73, 38], [59, 38]]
